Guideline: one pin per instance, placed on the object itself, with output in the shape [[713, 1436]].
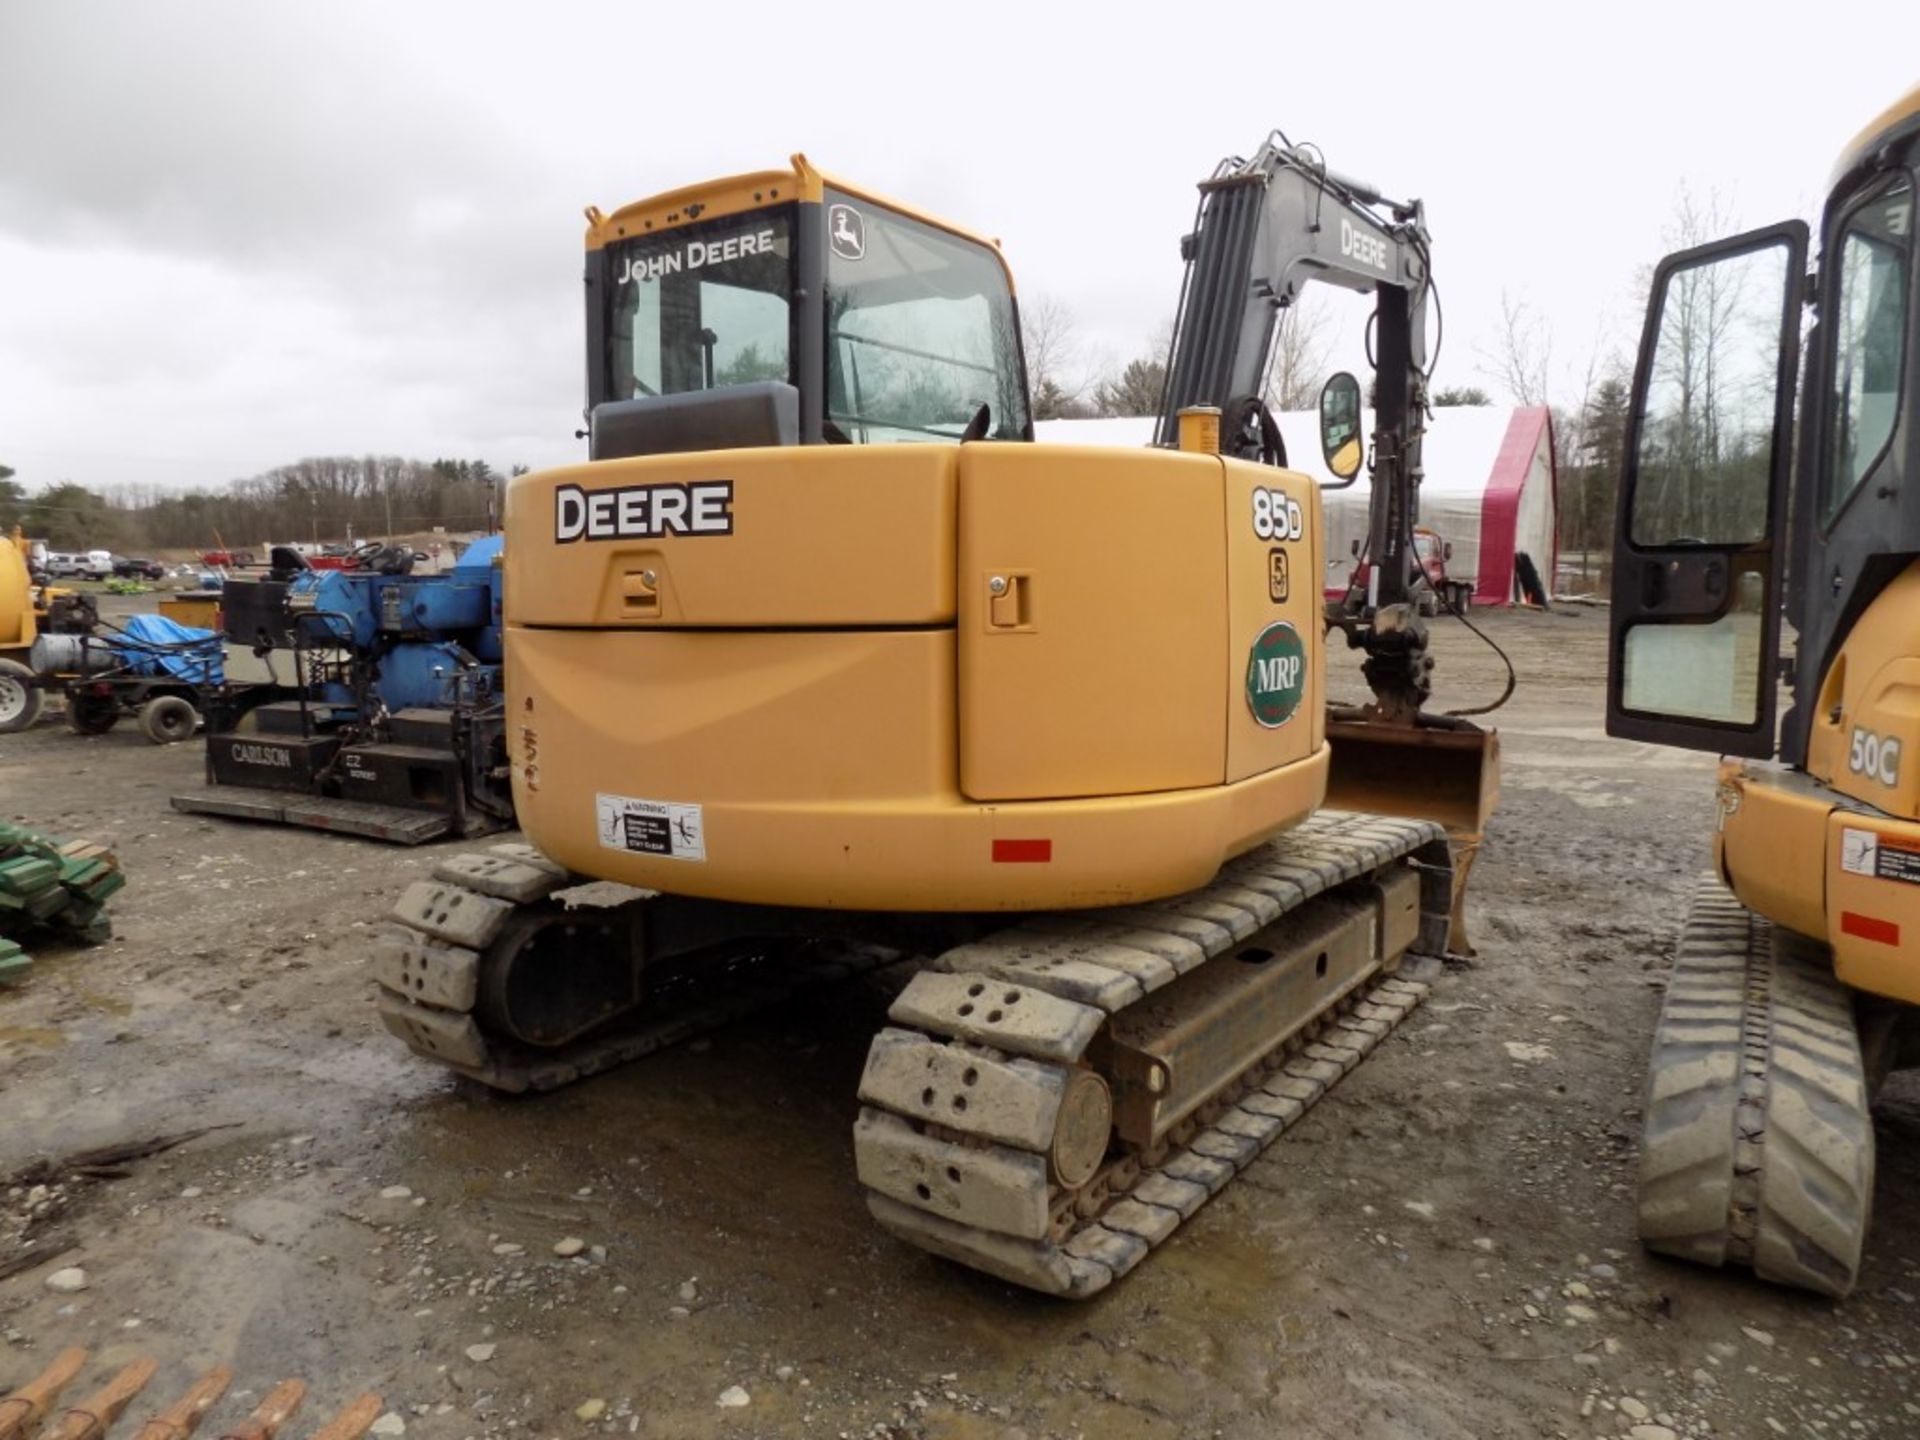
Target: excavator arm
[[1267, 227]]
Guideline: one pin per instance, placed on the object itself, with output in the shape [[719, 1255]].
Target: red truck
[[1440, 589]]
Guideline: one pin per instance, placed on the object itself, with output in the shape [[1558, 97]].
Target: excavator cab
[[785, 308], [1808, 931]]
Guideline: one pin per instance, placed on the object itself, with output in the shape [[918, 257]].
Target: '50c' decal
[[1276, 515], [1875, 758]]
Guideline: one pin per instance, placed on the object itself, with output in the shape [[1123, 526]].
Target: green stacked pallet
[[56, 888]]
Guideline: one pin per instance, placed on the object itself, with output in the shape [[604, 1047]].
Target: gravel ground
[[1444, 1247]]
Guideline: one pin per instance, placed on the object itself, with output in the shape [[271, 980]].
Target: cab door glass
[[1706, 437], [1700, 672], [1869, 327]]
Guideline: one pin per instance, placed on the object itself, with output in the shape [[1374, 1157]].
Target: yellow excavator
[[22, 608], [1796, 976], [832, 664]]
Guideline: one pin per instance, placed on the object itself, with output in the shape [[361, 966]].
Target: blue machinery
[[393, 723]]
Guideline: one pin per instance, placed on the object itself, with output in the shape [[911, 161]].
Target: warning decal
[[1863, 852], [650, 827]]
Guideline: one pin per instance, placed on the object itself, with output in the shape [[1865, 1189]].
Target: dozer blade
[[1451, 777]]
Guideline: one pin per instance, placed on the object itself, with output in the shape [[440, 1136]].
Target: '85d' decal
[[1276, 515]]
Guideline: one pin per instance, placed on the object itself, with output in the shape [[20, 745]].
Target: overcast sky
[[235, 234]]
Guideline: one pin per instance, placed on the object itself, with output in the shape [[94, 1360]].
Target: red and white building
[[1489, 489]]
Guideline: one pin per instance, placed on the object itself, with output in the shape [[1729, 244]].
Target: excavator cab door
[[1699, 547]]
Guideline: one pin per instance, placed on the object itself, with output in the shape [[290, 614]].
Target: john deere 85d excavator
[[827, 659], [1796, 975]]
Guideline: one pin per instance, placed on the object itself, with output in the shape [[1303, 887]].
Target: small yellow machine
[[20, 697], [830, 660], [1793, 991]]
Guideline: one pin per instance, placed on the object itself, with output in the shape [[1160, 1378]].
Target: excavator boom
[[1267, 227]]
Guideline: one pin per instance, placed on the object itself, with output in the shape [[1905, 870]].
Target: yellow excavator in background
[[834, 665], [1793, 990], [21, 610]]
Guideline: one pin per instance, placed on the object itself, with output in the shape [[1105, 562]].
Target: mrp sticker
[[1276, 674], [651, 827]]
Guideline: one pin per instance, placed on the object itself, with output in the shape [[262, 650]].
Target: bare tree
[[1588, 435], [1056, 374], [1301, 349], [1696, 437], [316, 498], [1137, 387], [1521, 356], [1134, 390]]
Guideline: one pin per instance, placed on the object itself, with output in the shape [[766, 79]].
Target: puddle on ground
[[44, 1037]]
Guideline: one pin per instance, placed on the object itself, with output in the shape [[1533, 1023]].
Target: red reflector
[[1868, 928], [1022, 852]]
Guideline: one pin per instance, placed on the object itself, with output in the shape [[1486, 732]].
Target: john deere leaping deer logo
[[1276, 675], [847, 230]]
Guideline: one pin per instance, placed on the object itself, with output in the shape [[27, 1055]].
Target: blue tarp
[[153, 644]]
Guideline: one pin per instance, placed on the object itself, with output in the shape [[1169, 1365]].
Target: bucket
[[1451, 776]]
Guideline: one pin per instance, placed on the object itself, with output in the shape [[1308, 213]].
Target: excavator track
[[1758, 1147], [1052, 1102], [1049, 1102], [429, 964]]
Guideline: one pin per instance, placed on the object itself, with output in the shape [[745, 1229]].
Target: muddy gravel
[[1444, 1247]]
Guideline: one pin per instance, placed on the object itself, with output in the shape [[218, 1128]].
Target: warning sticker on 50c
[[651, 827], [1863, 852], [1276, 674]]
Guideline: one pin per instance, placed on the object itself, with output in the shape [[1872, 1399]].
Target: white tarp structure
[[1489, 490]]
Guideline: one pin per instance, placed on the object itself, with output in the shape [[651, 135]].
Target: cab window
[[920, 330], [1869, 324], [703, 306]]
